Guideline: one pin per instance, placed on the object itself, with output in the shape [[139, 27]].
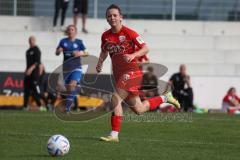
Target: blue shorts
[[74, 75]]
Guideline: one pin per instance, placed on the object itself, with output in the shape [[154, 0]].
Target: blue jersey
[[69, 62]]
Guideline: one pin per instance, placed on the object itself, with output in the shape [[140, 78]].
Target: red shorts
[[129, 81]]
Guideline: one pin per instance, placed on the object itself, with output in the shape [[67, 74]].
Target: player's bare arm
[[101, 59], [59, 51], [143, 51], [80, 53]]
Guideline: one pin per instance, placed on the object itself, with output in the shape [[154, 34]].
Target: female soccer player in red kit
[[120, 43]]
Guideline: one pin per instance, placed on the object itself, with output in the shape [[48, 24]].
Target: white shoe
[[109, 139], [43, 109], [26, 108]]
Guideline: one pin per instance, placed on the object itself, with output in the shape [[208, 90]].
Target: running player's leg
[[132, 82], [71, 82], [150, 104], [116, 118], [132, 85], [71, 87], [140, 107]]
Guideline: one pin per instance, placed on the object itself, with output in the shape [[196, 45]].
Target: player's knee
[[118, 111], [115, 99], [72, 86], [138, 111]]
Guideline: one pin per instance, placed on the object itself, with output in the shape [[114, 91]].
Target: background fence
[[206, 10]]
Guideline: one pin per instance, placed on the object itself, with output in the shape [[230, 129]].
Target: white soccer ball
[[58, 145]]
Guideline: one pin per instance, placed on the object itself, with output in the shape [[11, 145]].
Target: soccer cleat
[[43, 109], [109, 139], [172, 100], [27, 108]]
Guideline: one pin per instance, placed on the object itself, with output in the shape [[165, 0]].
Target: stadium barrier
[[12, 91]]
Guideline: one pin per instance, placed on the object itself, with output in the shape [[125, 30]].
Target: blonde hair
[[69, 26]]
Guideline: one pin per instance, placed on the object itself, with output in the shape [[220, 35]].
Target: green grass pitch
[[23, 135]]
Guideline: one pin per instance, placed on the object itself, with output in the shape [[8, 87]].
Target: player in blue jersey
[[73, 49]]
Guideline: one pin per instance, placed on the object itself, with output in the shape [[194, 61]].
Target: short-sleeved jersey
[[229, 97], [69, 62], [126, 41]]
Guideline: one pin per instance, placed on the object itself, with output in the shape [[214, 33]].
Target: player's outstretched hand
[[128, 57]]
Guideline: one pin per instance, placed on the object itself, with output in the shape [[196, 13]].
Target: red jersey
[[229, 97], [126, 41], [127, 75]]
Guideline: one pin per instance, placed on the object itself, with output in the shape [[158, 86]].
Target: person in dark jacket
[[32, 74], [182, 89]]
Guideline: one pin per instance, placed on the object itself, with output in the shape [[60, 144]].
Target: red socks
[[155, 102], [116, 123], [116, 120]]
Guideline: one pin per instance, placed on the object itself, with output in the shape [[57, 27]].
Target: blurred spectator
[[60, 5], [231, 102], [50, 97], [32, 74], [80, 7], [182, 89], [150, 83]]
